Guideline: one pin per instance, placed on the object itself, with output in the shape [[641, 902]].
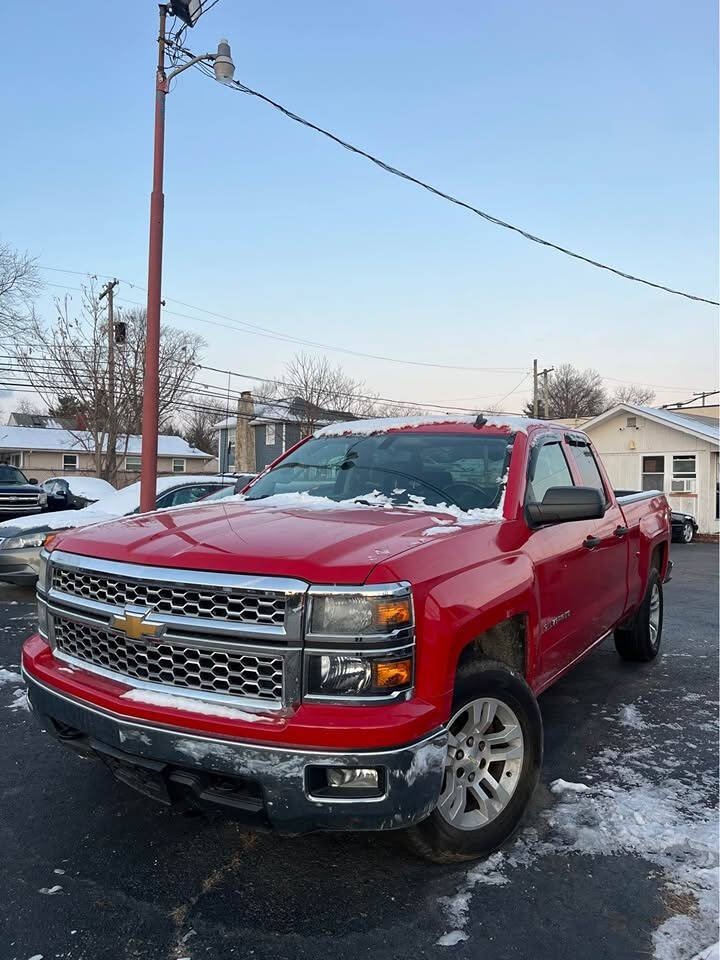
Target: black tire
[[635, 640], [437, 840]]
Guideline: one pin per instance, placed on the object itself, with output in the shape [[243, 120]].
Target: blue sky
[[594, 126]]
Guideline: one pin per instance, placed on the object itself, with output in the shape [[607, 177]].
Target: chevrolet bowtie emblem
[[134, 625]]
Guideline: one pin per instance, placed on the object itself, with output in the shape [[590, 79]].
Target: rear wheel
[[639, 641], [688, 532], [491, 769]]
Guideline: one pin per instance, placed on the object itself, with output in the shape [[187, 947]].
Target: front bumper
[[20, 566], [266, 785]]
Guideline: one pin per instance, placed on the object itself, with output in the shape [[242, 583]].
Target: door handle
[[591, 542], [621, 531]]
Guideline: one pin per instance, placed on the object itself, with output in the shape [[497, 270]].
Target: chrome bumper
[[264, 784]]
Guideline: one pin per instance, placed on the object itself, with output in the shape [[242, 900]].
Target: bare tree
[[179, 354], [20, 284], [321, 387], [70, 358], [31, 406], [202, 415], [635, 394], [574, 393]]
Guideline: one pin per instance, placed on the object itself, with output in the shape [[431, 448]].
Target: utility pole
[[545, 373], [189, 11], [535, 389], [111, 433]]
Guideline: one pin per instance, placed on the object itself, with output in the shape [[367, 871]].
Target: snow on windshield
[[374, 500]]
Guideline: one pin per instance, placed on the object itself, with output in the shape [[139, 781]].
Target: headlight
[[42, 499], [331, 675], [360, 643], [27, 540], [359, 614]]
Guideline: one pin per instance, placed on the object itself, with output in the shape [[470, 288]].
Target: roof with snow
[[383, 424], [41, 420], [46, 438], [695, 426], [288, 410]]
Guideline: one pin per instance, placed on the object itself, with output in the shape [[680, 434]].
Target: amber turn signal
[[49, 541], [391, 614], [395, 673]]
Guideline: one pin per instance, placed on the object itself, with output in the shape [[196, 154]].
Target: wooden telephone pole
[[111, 433], [536, 393]]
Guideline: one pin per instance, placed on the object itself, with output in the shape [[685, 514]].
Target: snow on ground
[[9, 676], [669, 823], [630, 717]]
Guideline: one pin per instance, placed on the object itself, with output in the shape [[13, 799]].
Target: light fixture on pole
[[189, 11]]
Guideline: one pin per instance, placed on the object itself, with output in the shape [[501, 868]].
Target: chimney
[[245, 435]]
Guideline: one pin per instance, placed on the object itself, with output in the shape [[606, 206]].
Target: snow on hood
[[383, 424]]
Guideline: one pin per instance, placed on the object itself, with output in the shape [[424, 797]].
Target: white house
[[645, 448]]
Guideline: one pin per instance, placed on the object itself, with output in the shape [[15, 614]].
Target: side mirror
[[33, 481], [561, 504]]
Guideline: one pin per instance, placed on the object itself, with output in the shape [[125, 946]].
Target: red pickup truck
[[356, 643]]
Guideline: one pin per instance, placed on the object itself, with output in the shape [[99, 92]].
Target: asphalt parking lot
[[623, 866]]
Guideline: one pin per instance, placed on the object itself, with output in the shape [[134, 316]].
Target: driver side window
[[550, 469]]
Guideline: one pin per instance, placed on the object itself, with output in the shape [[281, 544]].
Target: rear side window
[[585, 461], [549, 469]]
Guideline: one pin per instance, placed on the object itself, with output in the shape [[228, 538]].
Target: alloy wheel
[[483, 764]]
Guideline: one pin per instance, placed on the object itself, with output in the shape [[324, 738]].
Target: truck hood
[[329, 546]]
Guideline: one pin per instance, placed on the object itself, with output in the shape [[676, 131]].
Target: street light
[[188, 11]]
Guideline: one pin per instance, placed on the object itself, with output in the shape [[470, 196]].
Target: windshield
[[10, 474], [463, 469]]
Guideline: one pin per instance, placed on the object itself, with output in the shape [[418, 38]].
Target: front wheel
[[491, 769]]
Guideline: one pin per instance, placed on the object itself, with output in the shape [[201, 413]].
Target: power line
[[288, 338], [257, 330], [388, 168]]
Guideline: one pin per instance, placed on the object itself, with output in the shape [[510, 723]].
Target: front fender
[[460, 608]]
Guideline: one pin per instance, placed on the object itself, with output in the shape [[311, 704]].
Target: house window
[[132, 464], [684, 478], [631, 422], [269, 434], [178, 465], [70, 462], [653, 473], [15, 460]]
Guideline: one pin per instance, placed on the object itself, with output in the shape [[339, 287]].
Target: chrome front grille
[[221, 637], [239, 674], [180, 601]]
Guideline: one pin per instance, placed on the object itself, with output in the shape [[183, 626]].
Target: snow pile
[[560, 786], [383, 424]]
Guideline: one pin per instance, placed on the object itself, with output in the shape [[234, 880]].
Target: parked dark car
[[19, 497], [684, 527], [75, 492]]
